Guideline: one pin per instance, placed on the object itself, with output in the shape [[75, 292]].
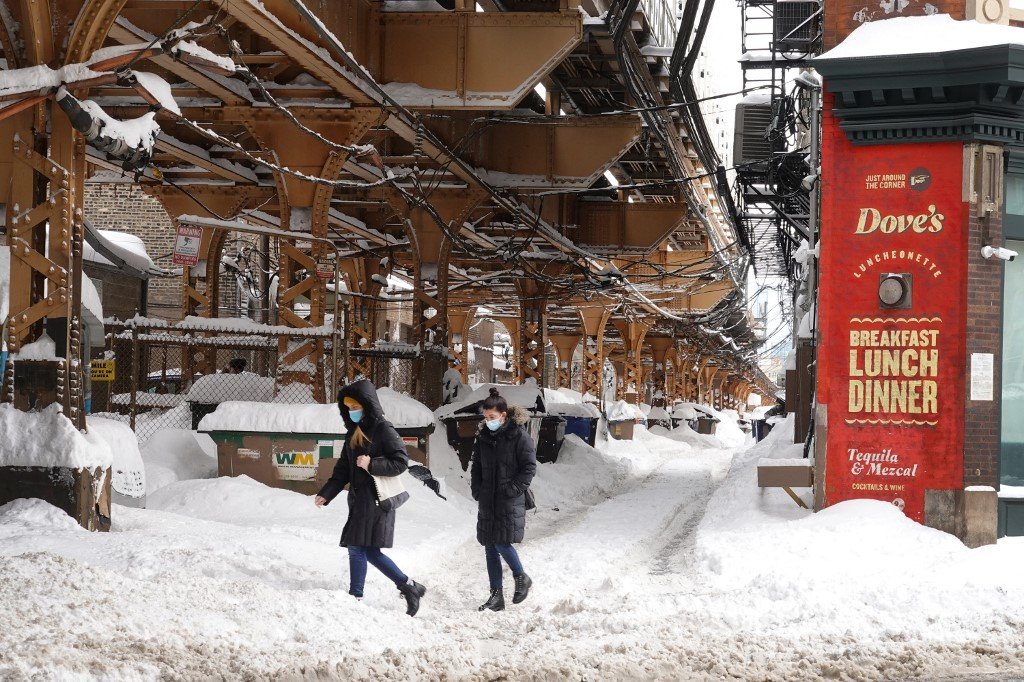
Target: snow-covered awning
[[925, 35], [121, 250]]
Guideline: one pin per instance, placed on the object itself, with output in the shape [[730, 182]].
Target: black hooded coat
[[368, 525], [504, 463]]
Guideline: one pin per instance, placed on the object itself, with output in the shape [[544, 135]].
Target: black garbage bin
[[706, 425], [461, 430], [550, 438], [416, 440], [200, 410]]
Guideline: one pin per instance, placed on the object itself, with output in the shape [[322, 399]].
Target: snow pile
[[621, 411], [580, 475], [921, 35], [274, 418], [173, 455], [34, 516], [136, 133], [684, 434], [566, 403], [401, 410], [528, 396], [42, 348], [48, 439], [685, 411], [727, 431], [128, 474], [659, 414], [214, 389]]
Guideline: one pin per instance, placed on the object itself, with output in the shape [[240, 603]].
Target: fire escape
[[772, 142]]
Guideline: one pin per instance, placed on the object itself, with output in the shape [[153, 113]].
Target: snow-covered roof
[[262, 417], [402, 411], [63, 445], [921, 35], [221, 388]]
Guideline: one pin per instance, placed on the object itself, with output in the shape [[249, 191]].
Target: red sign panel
[[893, 307], [186, 245]]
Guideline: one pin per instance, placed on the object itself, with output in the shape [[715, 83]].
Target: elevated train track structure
[[542, 158]]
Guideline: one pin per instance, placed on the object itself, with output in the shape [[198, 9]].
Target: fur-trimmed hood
[[516, 415]]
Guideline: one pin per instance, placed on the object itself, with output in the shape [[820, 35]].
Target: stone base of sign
[[979, 517], [971, 515]]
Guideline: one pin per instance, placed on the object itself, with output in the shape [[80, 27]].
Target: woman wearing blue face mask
[[372, 448], [504, 463]]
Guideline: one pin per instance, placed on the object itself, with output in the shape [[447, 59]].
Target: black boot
[[496, 602], [523, 585], [412, 591]]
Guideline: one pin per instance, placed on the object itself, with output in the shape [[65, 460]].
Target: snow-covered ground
[[657, 558]]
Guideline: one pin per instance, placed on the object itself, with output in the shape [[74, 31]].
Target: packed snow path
[[662, 561]]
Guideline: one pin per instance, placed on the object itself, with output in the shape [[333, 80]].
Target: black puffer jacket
[[367, 525], [504, 463]]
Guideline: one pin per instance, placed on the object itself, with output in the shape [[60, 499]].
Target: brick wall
[[984, 335], [843, 16], [124, 207]]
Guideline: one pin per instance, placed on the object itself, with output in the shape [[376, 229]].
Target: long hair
[[359, 438]]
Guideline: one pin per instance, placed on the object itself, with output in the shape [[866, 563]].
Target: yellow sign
[[102, 370]]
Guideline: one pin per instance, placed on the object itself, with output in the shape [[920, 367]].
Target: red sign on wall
[[893, 305], [186, 245]]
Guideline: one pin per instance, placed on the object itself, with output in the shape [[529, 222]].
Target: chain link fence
[[171, 377]]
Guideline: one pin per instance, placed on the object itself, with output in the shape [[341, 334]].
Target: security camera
[[998, 252], [808, 80], [807, 184]]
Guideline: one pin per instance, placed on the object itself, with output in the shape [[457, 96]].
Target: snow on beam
[[200, 157], [126, 33]]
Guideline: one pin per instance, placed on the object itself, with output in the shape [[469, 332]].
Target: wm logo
[[295, 459]]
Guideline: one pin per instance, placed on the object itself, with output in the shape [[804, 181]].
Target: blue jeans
[[357, 559], [495, 553]]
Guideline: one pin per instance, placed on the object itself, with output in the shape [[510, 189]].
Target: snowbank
[[685, 411], [219, 388], [528, 396], [35, 516], [128, 473], [48, 439], [173, 455], [622, 411], [274, 418], [403, 411]]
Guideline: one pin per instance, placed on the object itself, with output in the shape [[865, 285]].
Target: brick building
[[920, 348]]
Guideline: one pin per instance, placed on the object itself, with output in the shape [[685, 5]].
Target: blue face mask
[[493, 424], [355, 415]]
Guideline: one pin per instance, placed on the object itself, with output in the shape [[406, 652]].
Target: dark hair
[[495, 401], [238, 364]]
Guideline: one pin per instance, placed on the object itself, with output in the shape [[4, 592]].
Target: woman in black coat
[[504, 462], [372, 448]]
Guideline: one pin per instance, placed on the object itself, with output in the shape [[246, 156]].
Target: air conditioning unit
[[753, 118], [797, 24]]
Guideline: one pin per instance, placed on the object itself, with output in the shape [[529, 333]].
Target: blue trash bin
[[584, 427]]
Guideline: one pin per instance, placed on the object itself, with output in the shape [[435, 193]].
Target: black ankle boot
[[523, 584], [496, 602], [412, 591]]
